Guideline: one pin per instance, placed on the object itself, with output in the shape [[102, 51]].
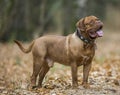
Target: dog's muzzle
[[94, 33]]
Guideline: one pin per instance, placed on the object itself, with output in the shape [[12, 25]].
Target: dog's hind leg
[[36, 69], [39, 54], [43, 71]]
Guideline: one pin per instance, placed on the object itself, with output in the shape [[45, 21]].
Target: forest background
[[28, 19]]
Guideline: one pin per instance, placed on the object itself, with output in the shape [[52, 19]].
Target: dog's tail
[[24, 49]]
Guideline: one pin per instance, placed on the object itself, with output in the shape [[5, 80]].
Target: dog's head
[[91, 26]]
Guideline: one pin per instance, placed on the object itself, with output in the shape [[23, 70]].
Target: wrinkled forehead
[[90, 18]]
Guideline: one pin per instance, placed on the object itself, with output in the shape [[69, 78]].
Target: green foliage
[[114, 2], [96, 7]]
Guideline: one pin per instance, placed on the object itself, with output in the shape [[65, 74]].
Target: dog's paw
[[75, 86], [86, 85], [31, 87]]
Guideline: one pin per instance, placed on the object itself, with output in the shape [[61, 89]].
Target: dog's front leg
[[74, 74], [86, 70]]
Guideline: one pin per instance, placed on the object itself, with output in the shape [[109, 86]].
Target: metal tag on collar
[[86, 41], [81, 38]]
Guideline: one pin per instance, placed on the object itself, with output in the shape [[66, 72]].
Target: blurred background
[[28, 19]]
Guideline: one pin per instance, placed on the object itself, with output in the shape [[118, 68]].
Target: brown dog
[[73, 50]]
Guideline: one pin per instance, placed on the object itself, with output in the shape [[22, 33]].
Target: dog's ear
[[80, 24]]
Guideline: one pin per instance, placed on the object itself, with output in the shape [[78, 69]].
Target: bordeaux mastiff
[[73, 50]]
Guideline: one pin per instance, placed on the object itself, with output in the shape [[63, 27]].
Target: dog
[[73, 50]]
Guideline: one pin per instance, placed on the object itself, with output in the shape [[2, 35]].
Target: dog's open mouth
[[98, 33]]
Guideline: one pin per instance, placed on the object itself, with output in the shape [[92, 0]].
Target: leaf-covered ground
[[104, 78]]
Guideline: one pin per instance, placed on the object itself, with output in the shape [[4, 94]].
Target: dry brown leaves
[[16, 69]]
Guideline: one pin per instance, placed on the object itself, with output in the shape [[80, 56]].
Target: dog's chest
[[80, 50], [82, 55]]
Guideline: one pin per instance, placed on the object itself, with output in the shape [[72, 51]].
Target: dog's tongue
[[99, 33]]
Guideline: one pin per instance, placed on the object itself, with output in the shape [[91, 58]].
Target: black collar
[[78, 33]]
